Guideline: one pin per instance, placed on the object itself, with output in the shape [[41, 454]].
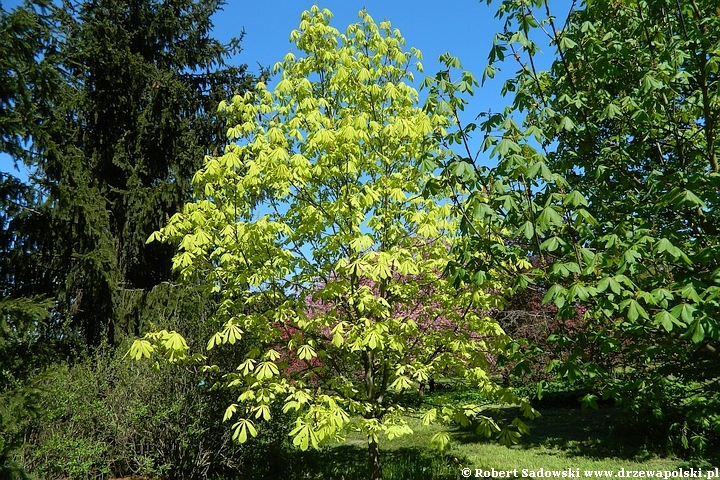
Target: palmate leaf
[[429, 416], [231, 334], [304, 436], [684, 198], [612, 111], [241, 430], [549, 217], [401, 383], [306, 352], [634, 310], [175, 346], [504, 147], [487, 427], [230, 411], [141, 348], [667, 320], [566, 124], [664, 245], [396, 431], [575, 199], [589, 401], [610, 282], [266, 370], [578, 291], [528, 411], [688, 292], [508, 437], [685, 311], [262, 411], [247, 367], [440, 441], [522, 427], [554, 292]]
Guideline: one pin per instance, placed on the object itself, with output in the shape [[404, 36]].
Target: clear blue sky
[[465, 28]]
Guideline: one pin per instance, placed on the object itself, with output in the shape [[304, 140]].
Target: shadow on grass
[[595, 434], [346, 462]]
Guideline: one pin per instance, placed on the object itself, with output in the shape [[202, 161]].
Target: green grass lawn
[[561, 439]]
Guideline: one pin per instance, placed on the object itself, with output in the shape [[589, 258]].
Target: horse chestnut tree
[[318, 201]]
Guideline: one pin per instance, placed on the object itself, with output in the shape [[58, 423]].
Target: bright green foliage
[[313, 230], [612, 184]]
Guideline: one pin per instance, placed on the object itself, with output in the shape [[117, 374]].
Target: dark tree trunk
[[375, 464]]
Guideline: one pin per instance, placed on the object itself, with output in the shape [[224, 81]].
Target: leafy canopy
[[611, 180], [313, 230]]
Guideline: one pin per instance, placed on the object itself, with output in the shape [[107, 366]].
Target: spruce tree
[[114, 145]]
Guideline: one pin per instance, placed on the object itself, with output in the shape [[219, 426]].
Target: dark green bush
[[16, 406], [107, 416]]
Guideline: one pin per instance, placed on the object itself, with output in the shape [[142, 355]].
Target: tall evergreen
[[114, 147], [28, 86]]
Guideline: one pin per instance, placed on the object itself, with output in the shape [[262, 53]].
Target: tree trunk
[[375, 464]]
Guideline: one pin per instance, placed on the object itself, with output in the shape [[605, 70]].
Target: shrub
[[105, 416]]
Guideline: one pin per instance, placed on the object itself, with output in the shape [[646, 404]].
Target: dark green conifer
[[112, 106]]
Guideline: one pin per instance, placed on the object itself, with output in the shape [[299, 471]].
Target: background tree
[[28, 81], [318, 201], [612, 182], [112, 148], [28, 84]]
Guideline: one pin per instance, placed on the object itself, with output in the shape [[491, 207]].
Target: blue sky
[[465, 31], [465, 28]]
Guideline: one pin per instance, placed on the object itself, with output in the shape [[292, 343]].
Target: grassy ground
[[563, 438]]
